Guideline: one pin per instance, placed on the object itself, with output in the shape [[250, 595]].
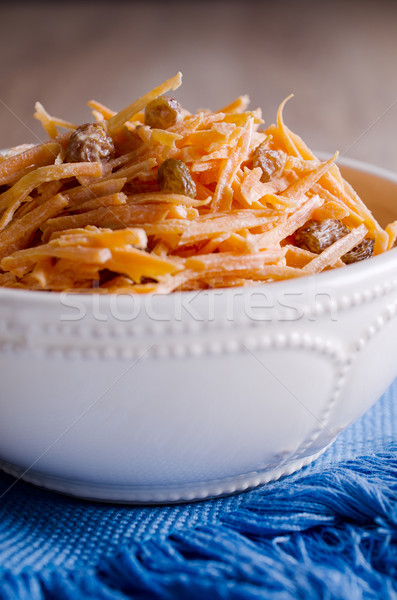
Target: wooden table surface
[[338, 58]]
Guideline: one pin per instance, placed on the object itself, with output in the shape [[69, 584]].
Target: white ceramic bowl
[[185, 396]]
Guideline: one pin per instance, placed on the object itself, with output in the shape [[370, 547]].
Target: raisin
[[90, 143], [270, 161], [363, 250], [163, 112], [174, 176], [316, 236]]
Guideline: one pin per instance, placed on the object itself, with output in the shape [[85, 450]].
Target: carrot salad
[[156, 199]]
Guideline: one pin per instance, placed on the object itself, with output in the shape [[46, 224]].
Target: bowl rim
[[353, 275]]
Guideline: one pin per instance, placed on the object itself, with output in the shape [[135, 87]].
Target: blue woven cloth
[[327, 532]]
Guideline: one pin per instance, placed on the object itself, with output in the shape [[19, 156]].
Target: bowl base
[[161, 494]]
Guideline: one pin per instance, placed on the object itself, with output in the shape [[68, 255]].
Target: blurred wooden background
[[337, 57]]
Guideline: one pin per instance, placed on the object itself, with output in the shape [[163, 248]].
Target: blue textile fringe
[[327, 536]]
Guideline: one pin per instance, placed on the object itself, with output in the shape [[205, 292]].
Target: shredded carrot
[[239, 105], [118, 120], [111, 226], [391, 231], [20, 190], [50, 123], [223, 193], [38, 156], [18, 233]]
